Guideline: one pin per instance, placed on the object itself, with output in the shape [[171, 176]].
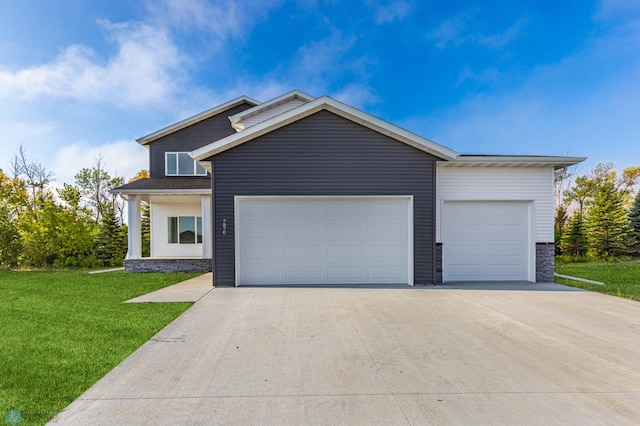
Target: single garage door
[[486, 241], [305, 240]]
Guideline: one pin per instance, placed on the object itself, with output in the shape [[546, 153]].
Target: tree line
[[597, 215], [76, 225]]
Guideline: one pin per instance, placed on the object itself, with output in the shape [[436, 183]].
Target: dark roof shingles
[[166, 183]]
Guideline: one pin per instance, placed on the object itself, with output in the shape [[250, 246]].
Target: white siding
[[272, 112], [505, 184], [159, 230]]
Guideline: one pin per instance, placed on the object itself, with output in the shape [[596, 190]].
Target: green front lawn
[[621, 278], [62, 331]]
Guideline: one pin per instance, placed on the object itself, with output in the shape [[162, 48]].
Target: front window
[[185, 230], [181, 164]]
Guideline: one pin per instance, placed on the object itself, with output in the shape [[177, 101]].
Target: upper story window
[[180, 164]]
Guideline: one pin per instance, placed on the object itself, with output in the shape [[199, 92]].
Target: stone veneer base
[[168, 265]]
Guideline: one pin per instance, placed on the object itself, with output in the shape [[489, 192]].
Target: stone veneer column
[[545, 262], [134, 237]]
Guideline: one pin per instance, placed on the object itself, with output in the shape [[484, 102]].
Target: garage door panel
[[385, 209], [302, 274], [388, 273], [345, 252], [263, 229], [264, 272], [346, 273], [304, 210], [345, 231], [328, 240], [506, 250], [486, 241], [301, 251], [350, 210], [303, 230], [387, 231], [385, 252], [265, 252]]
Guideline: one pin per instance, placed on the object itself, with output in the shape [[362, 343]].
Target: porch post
[[206, 226], [134, 237]]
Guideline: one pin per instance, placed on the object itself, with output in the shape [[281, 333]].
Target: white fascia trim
[[237, 119], [338, 108], [194, 119], [511, 161], [162, 192]]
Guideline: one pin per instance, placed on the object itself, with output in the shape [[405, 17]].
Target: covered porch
[[179, 226]]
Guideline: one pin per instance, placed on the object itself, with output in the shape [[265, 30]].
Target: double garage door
[[487, 241], [322, 240]]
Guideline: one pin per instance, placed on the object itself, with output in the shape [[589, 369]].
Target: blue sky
[[80, 78]]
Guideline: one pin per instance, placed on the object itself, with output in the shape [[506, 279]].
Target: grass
[[621, 279], [62, 331]]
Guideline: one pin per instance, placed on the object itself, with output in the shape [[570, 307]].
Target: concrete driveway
[[293, 356]]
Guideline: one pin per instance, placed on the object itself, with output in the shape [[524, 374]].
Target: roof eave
[[195, 119], [557, 162], [203, 191]]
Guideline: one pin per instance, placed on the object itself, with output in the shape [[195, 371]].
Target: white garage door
[[486, 241], [323, 240]]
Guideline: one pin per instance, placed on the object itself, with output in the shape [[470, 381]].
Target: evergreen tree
[[560, 224], [110, 246], [634, 221], [608, 230], [145, 225], [574, 238]]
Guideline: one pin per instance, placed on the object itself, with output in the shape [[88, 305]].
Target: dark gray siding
[[324, 154], [191, 138]]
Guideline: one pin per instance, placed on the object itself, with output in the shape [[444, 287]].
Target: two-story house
[[310, 191]]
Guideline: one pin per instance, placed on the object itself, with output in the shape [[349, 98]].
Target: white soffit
[[237, 120], [511, 161], [338, 108], [194, 119]]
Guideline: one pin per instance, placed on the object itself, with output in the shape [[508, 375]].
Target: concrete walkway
[[187, 291], [298, 356]]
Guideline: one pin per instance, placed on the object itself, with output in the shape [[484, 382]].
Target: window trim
[[177, 162], [198, 230]]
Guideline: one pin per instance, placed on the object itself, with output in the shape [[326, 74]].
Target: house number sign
[[224, 226]]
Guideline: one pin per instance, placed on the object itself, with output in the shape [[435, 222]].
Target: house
[[303, 190]]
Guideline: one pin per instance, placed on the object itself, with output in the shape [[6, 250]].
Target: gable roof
[[237, 120], [196, 118], [327, 104]]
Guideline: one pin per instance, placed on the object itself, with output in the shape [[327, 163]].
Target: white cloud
[[216, 21], [611, 8], [356, 95], [501, 39], [395, 11], [143, 70], [318, 68], [449, 31], [454, 32], [121, 158], [223, 18]]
